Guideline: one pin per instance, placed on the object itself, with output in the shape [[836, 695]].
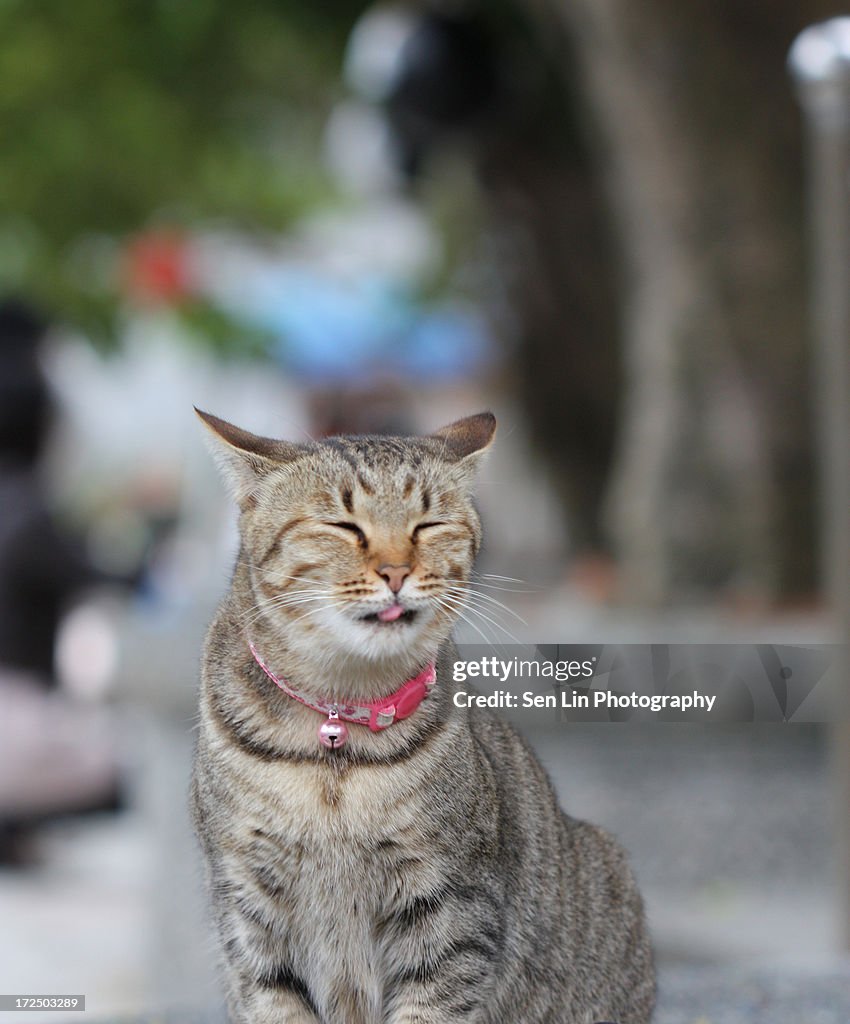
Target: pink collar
[[378, 714]]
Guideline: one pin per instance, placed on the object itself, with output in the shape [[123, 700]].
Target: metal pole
[[820, 64]]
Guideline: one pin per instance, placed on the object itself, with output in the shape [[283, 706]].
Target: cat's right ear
[[245, 458]]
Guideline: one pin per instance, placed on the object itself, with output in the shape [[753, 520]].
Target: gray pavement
[[705, 995]]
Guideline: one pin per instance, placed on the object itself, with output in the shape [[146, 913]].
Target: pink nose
[[395, 575]]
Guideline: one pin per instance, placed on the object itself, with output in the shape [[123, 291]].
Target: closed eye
[[350, 528], [424, 526]]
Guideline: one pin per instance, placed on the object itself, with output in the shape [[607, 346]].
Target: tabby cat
[[376, 855]]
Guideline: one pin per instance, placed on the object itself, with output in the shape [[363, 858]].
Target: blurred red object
[[157, 268]]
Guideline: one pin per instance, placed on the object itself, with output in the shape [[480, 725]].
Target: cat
[[370, 864]]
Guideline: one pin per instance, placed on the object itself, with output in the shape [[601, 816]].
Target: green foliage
[[119, 114]]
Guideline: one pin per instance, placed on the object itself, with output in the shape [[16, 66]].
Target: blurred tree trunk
[[480, 81], [699, 148], [555, 260]]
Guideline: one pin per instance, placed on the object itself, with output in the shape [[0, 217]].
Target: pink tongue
[[391, 614]]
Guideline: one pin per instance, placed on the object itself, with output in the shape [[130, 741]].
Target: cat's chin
[[412, 634], [378, 640]]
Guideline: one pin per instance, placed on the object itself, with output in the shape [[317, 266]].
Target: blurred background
[[312, 219]]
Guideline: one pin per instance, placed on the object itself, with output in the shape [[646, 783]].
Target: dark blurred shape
[[24, 399], [447, 81], [40, 569]]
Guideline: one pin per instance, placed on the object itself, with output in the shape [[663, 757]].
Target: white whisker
[[472, 597], [458, 605], [489, 586], [493, 622], [445, 602]]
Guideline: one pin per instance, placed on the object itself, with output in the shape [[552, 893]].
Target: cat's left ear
[[468, 439], [246, 458]]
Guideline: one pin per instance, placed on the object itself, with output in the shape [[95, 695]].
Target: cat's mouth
[[393, 616]]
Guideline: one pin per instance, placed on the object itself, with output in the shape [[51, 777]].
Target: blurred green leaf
[[114, 116]]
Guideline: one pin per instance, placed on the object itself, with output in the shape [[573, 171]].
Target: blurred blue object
[[336, 331]]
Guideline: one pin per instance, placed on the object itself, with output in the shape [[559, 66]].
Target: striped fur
[[422, 875]]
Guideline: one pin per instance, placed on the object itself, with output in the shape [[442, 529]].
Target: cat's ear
[[466, 440], [245, 458]]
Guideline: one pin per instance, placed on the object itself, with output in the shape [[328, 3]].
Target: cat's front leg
[[274, 1008], [269, 1002], [416, 1012], [263, 987], [447, 987]]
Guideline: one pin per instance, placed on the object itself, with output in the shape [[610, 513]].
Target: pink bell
[[333, 733]]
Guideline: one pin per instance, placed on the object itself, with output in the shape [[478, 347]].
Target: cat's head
[[362, 544]]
